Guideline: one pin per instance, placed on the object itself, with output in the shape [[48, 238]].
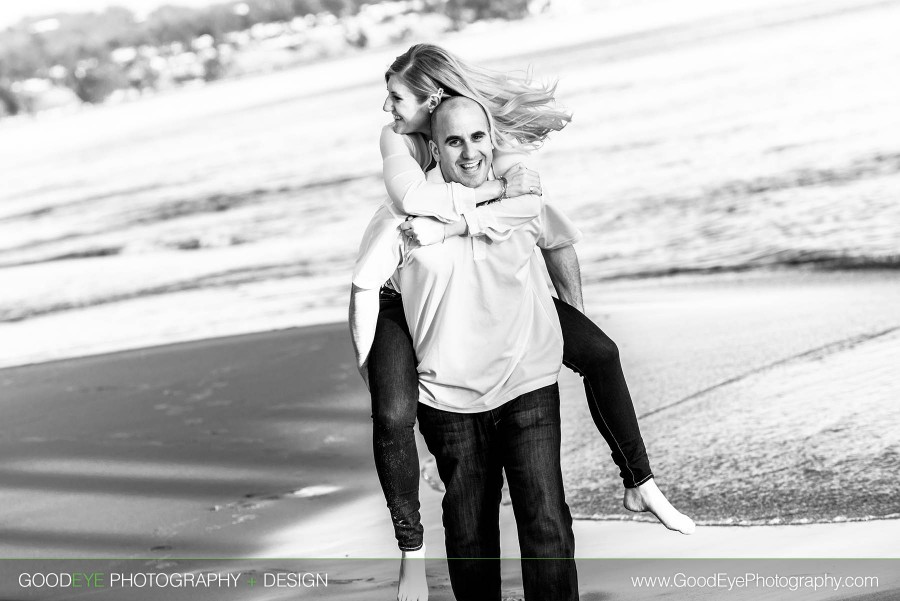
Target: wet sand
[[258, 446]]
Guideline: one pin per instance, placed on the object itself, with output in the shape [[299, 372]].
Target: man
[[489, 347]]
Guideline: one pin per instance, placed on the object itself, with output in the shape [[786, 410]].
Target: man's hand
[[520, 181]]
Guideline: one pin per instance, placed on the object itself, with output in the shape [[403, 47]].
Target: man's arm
[[364, 307], [565, 273]]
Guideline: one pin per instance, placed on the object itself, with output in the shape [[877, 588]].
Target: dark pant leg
[[530, 440], [394, 385], [595, 357], [463, 445]]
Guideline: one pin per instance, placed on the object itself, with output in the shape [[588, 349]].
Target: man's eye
[[453, 143], [478, 137]]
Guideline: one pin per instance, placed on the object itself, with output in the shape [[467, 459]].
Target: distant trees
[[74, 49], [9, 104], [473, 10], [97, 83]]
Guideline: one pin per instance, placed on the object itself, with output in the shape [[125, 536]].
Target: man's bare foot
[[648, 497], [413, 585]]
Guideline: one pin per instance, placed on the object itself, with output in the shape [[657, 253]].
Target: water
[[706, 138]]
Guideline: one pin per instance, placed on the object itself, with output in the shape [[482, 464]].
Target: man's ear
[[434, 151]]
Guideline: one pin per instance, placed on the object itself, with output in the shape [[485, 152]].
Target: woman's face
[[410, 115]]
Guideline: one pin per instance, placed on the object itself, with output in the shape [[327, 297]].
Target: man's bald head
[[448, 107], [461, 141]]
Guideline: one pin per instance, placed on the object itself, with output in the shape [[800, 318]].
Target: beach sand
[[230, 453]]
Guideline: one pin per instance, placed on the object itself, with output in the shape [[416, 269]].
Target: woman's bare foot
[[413, 585], [648, 497]]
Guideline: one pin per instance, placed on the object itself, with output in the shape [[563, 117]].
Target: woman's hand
[[520, 180], [424, 230]]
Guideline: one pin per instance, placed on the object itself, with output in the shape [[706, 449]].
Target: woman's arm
[[406, 184], [495, 220]]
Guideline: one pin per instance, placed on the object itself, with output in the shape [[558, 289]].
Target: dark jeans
[[472, 450], [394, 385], [595, 357]]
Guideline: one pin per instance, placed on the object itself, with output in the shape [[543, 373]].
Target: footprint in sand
[[238, 518], [218, 432], [161, 548], [170, 409], [248, 504], [162, 565], [201, 396]]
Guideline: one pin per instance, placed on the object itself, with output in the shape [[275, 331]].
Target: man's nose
[[468, 150]]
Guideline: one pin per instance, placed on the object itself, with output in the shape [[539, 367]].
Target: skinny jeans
[[394, 386]]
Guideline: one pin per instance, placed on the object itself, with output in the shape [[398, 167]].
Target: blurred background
[[175, 172], [184, 172]]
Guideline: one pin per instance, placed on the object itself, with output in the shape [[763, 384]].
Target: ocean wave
[[315, 271], [233, 278], [819, 260], [740, 522]]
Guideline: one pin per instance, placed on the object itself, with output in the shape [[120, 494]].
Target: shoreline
[[37, 328]]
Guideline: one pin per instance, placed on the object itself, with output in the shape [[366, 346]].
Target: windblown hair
[[521, 113]]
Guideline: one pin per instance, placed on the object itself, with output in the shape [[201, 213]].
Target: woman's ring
[[533, 189]]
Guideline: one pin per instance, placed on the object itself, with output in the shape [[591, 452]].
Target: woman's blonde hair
[[521, 113]]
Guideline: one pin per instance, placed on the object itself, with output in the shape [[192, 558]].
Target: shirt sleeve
[[408, 188], [498, 220], [557, 230], [380, 251]]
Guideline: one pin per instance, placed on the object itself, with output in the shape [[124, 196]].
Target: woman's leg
[[595, 357], [394, 385]]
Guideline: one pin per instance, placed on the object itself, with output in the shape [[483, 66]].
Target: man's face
[[462, 144]]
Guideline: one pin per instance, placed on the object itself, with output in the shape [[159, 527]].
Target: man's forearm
[[363, 320], [565, 273]]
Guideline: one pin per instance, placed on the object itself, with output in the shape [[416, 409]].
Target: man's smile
[[470, 166]]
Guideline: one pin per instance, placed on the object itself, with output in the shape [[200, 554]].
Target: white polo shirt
[[483, 324]]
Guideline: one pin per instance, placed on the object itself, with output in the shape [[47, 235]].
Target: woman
[[521, 116]]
